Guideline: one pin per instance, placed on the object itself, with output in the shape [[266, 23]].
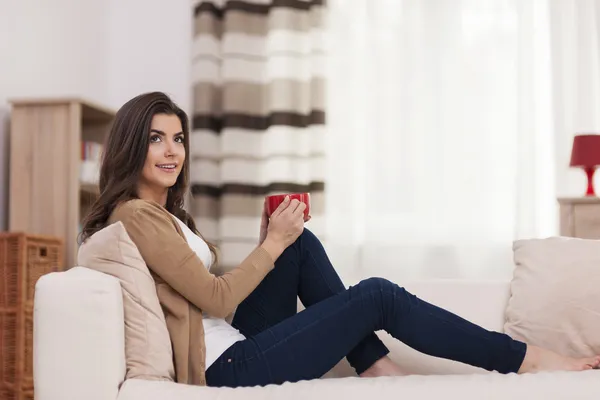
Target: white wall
[[55, 48], [105, 51], [150, 49]]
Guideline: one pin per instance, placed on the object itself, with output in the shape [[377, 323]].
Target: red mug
[[275, 200]]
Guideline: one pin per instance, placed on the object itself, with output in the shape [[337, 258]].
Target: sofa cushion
[[489, 386], [555, 295], [148, 349]]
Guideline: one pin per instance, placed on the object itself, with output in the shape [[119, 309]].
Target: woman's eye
[[154, 139], [179, 139]]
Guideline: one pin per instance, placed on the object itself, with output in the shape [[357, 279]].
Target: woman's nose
[[169, 149]]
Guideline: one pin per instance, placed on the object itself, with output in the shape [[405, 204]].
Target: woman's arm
[[168, 255]]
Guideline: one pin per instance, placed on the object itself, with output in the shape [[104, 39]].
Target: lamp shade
[[586, 151]]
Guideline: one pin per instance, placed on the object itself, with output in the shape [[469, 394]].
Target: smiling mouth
[[167, 167]]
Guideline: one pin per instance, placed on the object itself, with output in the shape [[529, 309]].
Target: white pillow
[[148, 349], [555, 295]]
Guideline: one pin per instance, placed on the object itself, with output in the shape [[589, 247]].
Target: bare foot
[[383, 367], [538, 359]]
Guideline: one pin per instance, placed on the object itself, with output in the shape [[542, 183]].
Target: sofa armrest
[[79, 350]]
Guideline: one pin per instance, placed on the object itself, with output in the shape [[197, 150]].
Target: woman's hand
[[284, 227], [287, 222], [264, 223]]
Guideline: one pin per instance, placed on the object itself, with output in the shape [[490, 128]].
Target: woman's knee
[[308, 235], [295, 251], [305, 238], [386, 292], [377, 283]]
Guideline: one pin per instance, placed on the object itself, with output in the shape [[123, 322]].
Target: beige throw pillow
[[148, 349], [555, 295]]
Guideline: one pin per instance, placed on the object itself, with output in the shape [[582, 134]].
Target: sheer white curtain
[[575, 39], [440, 135]]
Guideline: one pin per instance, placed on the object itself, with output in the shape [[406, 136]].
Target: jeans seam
[[333, 292], [440, 317], [434, 315], [448, 321]]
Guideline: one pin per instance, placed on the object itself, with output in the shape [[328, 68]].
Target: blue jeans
[[285, 346]]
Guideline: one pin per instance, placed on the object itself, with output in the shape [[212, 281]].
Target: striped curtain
[[258, 115]]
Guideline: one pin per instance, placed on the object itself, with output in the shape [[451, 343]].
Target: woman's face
[[166, 154]]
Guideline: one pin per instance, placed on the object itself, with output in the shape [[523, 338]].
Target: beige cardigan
[[184, 286]]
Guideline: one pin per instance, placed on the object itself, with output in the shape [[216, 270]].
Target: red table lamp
[[586, 154]]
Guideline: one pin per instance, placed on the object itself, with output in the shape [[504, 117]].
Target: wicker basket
[[23, 260]]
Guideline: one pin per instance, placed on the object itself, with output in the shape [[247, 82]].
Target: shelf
[[50, 197], [95, 114], [90, 111], [579, 200], [89, 188]]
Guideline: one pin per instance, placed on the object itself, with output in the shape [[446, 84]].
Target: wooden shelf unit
[[46, 196], [580, 217]]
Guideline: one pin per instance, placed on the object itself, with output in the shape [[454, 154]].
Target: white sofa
[[79, 353]]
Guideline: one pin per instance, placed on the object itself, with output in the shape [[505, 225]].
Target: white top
[[218, 334]]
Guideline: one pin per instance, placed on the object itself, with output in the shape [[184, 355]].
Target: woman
[[143, 181]]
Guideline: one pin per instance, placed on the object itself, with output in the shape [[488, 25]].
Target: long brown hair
[[125, 152]]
